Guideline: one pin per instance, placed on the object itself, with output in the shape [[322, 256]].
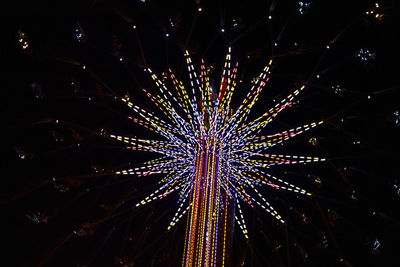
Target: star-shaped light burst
[[212, 155]]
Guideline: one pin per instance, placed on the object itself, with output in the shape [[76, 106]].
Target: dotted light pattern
[[212, 155]]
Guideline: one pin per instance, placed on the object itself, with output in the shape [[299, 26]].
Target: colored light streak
[[212, 155]]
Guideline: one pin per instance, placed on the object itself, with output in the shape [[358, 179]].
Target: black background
[[74, 104]]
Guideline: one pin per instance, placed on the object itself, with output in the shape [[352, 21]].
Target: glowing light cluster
[[375, 11], [79, 34], [365, 55], [303, 6], [24, 42], [212, 155]]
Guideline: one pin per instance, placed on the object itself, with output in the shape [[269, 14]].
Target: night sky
[[65, 63]]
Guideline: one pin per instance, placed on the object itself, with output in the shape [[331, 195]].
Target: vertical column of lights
[[216, 215], [204, 231], [208, 196]]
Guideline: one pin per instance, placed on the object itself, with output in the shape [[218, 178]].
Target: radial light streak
[[212, 155]]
